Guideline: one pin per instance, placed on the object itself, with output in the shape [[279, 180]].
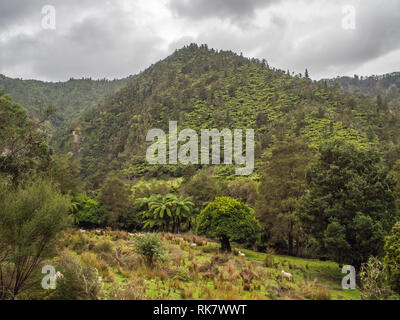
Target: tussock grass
[[200, 271]]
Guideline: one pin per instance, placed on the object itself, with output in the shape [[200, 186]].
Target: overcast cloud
[[114, 39]]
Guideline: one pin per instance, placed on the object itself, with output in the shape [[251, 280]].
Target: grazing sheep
[[82, 231], [193, 245], [59, 275], [287, 276], [240, 254]]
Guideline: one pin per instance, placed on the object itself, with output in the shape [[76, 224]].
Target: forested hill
[[203, 88], [70, 98], [387, 86]]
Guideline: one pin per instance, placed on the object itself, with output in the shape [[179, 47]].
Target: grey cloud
[[97, 38], [377, 33], [15, 12], [97, 47], [12, 12], [222, 9]]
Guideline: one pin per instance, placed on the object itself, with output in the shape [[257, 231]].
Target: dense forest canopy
[[70, 98], [204, 88]]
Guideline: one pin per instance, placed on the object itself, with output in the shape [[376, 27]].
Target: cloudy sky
[[116, 38]]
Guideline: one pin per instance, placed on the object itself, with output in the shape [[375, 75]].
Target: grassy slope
[[201, 272]]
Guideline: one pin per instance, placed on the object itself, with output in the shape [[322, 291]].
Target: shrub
[[150, 247], [321, 293], [392, 258], [104, 246], [31, 218], [79, 243], [99, 264], [79, 281], [269, 261], [129, 291], [372, 278]]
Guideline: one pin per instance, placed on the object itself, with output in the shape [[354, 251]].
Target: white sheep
[[240, 254], [59, 275], [193, 245], [287, 276]]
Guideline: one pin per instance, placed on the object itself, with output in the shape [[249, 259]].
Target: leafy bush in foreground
[[150, 247]]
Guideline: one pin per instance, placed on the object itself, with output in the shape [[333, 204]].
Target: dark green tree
[[282, 186], [64, 170], [23, 147], [227, 220], [87, 213], [115, 198], [306, 74], [392, 258], [202, 187], [350, 205]]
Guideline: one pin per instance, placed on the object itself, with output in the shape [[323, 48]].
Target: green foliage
[[23, 147], [77, 280], [282, 186], [115, 198], [203, 187], [373, 280], [392, 257], [31, 217], [386, 87], [70, 98], [350, 205], [202, 88], [87, 213], [65, 172], [395, 176], [244, 190], [144, 189], [228, 220], [161, 212], [150, 247]]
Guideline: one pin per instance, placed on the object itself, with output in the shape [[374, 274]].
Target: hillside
[[387, 86], [324, 193], [203, 88], [70, 98]]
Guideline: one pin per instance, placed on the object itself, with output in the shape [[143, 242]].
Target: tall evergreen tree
[[282, 186], [114, 196], [350, 206]]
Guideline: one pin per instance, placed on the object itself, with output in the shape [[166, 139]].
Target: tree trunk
[[225, 245], [298, 248], [290, 240]]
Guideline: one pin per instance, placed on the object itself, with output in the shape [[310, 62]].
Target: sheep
[[59, 275], [240, 254], [287, 276], [193, 245]]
